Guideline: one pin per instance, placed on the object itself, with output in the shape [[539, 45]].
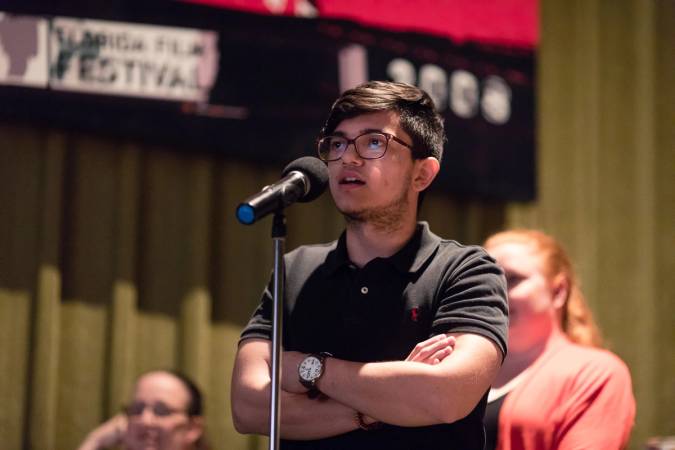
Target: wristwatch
[[310, 371]]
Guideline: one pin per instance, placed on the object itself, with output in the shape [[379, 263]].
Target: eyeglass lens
[[159, 409], [368, 146]]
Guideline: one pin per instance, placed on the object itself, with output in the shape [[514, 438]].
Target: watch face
[[310, 368]]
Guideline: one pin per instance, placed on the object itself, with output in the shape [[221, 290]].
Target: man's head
[[382, 142], [418, 116], [164, 414]]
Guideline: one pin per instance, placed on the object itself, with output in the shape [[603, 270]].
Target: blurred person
[[557, 389], [391, 335], [165, 413]]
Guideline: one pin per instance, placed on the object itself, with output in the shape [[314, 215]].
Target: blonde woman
[[557, 389]]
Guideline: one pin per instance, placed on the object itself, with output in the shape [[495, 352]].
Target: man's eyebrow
[[363, 131]]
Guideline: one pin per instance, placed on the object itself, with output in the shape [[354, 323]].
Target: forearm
[[414, 394], [400, 393], [90, 443], [305, 418], [300, 417], [107, 435]]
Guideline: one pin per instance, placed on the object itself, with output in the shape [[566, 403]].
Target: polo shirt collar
[[338, 257], [417, 251], [409, 259]]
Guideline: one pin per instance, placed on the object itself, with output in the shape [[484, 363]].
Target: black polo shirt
[[379, 312]]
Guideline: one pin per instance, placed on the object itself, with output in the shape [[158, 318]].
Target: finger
[[421, 346], [427, 348], [440, 355]]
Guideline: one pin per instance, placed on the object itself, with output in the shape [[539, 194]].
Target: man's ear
[[426, 170], [196, 429]]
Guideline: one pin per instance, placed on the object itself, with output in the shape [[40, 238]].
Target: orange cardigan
[[573, 398]]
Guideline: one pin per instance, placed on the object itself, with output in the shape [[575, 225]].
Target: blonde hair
[[577, 318]]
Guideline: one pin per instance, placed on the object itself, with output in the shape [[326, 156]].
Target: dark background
[[285, 79]]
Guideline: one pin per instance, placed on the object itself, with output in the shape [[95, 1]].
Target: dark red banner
[[512, 23], [270, 82]]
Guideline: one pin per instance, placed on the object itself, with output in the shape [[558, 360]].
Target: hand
[[368, 420], [290, 381], [433, 350], [107, 435]]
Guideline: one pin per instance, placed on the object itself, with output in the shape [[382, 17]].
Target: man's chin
[[151, 446], [349, 211], [352, 216], [146, 442]]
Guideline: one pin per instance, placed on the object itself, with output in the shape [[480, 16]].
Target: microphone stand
[[278, 239]]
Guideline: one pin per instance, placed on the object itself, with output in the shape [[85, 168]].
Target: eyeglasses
[[159, 409], [369, 145]]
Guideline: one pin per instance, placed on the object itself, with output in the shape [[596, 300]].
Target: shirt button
[[364, 290]]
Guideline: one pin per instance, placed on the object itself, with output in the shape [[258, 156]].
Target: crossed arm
[[441, 381]]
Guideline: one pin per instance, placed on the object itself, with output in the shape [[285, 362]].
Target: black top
[[492, 422], [379, 312]]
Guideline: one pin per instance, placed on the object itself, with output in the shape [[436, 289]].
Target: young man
[[370, 319]]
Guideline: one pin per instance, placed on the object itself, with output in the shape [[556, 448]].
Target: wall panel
[[606, 159], [19, 219], [664, 212]]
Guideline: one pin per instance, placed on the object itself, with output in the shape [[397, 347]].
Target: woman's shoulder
[[581, 360]]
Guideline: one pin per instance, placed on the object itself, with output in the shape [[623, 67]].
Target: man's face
[[162, 423], [374, 190]]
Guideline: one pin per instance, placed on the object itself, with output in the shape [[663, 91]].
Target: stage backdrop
[[258, 86], [120, 253]]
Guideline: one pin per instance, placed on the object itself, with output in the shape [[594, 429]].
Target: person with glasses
[[165, 413], [391, 334]]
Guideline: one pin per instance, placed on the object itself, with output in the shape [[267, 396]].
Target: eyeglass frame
[[153, 407], [388, 137]]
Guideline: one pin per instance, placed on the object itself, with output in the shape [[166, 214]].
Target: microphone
[[303, 180]]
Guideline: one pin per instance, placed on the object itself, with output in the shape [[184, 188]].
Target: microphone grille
[[315, 170]]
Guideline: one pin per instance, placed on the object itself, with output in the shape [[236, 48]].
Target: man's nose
[[351, 156], [147, 416]]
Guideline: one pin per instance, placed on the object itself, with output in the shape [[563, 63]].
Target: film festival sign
[[102, 57], [134, 60]]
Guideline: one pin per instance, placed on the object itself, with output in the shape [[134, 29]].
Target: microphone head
[[316, 172]]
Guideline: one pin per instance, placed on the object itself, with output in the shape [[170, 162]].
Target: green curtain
[[117, 257]]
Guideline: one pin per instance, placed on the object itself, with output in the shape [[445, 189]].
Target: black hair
[[418, 116], [195, 403]]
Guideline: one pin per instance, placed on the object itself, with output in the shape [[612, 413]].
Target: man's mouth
[[352, 181], [150, 439]]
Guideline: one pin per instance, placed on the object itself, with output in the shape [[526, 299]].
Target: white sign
[[128, 59], [23, 51]]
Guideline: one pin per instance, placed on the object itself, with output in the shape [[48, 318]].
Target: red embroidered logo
[[414, 314]]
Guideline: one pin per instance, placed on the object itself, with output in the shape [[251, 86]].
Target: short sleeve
[[473, 299], [260, 324]]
